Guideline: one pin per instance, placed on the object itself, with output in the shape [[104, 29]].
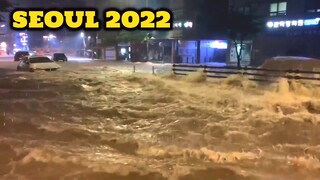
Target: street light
[[3, 25], [51, 36], [147, 38], [83, 42]]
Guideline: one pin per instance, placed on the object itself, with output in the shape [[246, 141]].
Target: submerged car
[[280, 66], [33, 63], [283, 63], [20, 54], [59, 57]]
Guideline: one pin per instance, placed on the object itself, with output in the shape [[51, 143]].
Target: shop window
[[278, 8]]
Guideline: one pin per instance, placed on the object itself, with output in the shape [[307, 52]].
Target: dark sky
[[91, 3], [50, 3]]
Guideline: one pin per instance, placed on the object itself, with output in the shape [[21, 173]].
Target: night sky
[[49, 3], [90, 3]]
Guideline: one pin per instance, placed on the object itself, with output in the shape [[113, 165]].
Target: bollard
[[134, 68], [153, 70]]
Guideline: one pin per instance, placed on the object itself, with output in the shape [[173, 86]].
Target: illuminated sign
[[311, 22], [3, 45], [219, 44], [186, 24], [21, 41], [293, 23], [23, 37]]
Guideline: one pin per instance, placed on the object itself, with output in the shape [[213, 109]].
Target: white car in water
[[34, 63]]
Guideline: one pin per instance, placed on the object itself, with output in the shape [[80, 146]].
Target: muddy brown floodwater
[[107, 124]]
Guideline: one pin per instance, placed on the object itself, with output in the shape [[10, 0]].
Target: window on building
[[278, 8]]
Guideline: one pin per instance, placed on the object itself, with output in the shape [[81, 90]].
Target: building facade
[[192, 42], [292, 29]]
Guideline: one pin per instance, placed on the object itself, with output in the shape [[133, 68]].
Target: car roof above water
[[22, 52], [37, 56]]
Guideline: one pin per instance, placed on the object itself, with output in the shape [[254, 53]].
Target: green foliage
[[109, 38], [131, 36]]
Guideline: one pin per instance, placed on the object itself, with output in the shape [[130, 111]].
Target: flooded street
[[107, 124]]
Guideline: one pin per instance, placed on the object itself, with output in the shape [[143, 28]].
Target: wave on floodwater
[[113, 125]]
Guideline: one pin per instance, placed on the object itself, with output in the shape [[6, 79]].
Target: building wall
[[285, 41], [122, 4], [299, 43], [192, 44]]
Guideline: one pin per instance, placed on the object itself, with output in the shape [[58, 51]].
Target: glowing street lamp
[[83, 42], [51, 36]]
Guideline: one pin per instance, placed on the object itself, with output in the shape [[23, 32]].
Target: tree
[[131, 36], [108, 38], [214, 18], [241, 26], [136, 39], [5, 6]]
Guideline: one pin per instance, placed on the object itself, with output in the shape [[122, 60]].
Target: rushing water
[[110, 125]]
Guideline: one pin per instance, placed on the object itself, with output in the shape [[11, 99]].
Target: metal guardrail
[[258, 74]]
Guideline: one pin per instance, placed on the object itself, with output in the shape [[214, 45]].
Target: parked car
[[33, 63], [59, 57], [18, 55]]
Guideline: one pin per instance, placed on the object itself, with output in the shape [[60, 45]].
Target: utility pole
[[147, 39]]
